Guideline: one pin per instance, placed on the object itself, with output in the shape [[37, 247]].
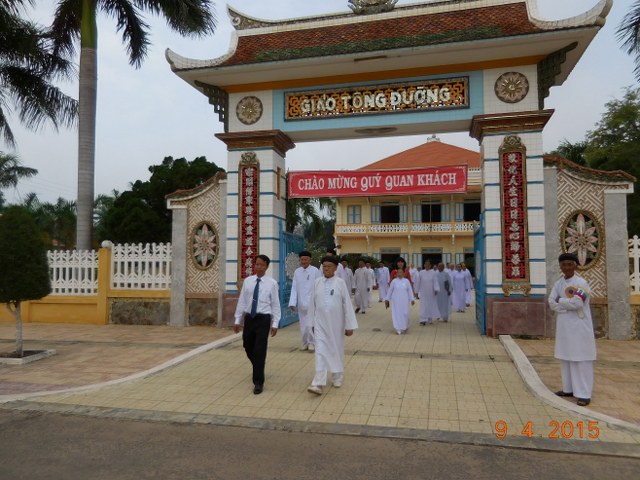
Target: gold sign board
[[375, 99]]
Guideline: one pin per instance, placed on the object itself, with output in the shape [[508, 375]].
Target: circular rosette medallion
[[291, 263], [204, 245], [582, 235], [511, 87]]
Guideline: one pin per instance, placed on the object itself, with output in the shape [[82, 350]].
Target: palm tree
[[28, 68], [11, 171], [572, 151], [629, 34], [76, 19]]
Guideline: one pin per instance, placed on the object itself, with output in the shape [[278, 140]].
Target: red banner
[[343, 183]]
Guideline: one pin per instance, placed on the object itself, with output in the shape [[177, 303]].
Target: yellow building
[[435, 226]]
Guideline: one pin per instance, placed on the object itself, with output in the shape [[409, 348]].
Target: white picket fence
[[148, 267], [73, 272], [141, 267], [634, 263], [133, 267]]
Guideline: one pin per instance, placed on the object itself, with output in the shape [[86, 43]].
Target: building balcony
[[395, 229]]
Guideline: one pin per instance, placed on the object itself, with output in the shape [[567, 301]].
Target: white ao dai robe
[[301, 289], [331, 314], [460, 287], [427, 287], [400, 296]]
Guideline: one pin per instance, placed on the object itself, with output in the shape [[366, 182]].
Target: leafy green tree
[[572, 151], [629, 34], [309, 213], [76, 20], [55, 221], [140, 215], [28, 70], [11, 171], [615, 145], [23, 263]]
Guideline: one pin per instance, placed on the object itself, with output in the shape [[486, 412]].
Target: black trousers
[[255, 336]]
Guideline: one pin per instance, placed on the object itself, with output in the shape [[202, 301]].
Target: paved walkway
[[441, 382]]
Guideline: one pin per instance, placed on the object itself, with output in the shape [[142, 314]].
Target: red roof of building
[[496, 21], [434, 153]]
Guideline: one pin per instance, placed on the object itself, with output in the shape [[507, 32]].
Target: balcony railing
[[442, 228]]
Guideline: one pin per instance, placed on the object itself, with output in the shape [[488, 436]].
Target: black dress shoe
[[257, 389], [560, 393], [583, 402]]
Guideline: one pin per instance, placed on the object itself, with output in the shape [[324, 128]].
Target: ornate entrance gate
[[290, 245], [382, 70], [480, 276]]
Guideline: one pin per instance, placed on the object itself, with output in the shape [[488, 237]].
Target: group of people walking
[[438, 289], [326, 313]]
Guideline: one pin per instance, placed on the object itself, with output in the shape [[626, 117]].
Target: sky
[[149, 113]]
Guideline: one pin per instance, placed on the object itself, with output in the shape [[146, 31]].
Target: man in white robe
[[346, 273], [467, 272], [413, 275], [575, 345], [401, 297], [383, 281], [444, 295], [427, 287], [460, 288], [303, 279], [361, 287], [332, 318], [372, 282]]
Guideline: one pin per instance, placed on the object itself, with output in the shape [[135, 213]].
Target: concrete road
[[38, 446]]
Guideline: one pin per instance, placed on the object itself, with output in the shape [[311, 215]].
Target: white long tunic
[[444, 295], [346, 274], [301, 289], [467, 297], [575, 340], [383, 282], [400, 296], [331, 314], [460, 287], [427, 287], [362, 284]]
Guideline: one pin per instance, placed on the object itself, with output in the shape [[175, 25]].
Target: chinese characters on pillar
[[249, 174], [515, 243]]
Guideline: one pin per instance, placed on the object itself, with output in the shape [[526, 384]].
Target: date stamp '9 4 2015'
[[554, 429]]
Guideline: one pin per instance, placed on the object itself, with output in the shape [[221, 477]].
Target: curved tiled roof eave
[[188, 194], [179, 62], [596, 16], [609, 176]]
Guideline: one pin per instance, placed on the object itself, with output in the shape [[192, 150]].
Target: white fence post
[[634, 255], [141, 267], [73, 272]]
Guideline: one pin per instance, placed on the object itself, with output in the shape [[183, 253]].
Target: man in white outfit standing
[[303, 280], [361, 287], [332, 319], [575, 341], [383, 281]]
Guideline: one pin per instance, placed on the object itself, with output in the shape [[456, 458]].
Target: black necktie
[[254, 302]]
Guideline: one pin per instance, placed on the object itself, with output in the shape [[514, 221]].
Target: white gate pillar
[[513, 206], [256, 193]]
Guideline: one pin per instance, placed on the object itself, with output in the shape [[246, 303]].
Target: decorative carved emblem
[[515, 241], [372, 6], [581, 234], [204, 245], [249, 110], [291, 263], [511, 87]]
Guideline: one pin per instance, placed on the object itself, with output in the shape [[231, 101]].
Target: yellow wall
[[86, 309]]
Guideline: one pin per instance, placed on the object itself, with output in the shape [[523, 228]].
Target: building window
[[471, 211], [354, 214], [431, 213], [390, 213]]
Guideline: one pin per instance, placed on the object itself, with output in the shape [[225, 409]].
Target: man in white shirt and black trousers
[[259, 306]]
